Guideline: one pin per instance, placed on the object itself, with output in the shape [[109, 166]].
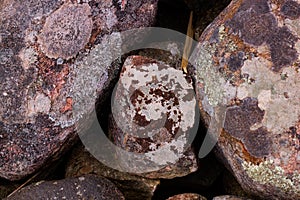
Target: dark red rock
[[48, 54], [84, 187], [248, 65], [154, 115]]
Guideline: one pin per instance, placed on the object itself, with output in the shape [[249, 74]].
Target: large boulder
[[49, 62], [248, 89]]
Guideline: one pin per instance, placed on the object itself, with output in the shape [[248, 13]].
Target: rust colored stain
[[68, 106]]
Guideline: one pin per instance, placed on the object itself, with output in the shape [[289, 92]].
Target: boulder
[[154, 117], [248, 90], [83, 187], [50, 61]]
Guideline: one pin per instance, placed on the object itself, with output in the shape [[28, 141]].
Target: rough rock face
[[154, 114], [84, 187], [49, 54], [229, 197], [187, 196], [248, 63], [81, 162]]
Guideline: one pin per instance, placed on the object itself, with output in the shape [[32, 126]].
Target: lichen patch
[[280, 112], [156, 91], [39, 104], [266, 173], [28, 56], [66, 31]]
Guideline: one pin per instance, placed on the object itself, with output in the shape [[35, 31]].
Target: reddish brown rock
[[49, 62], [187, 196], [248, 65], [83, 187], [154, 115]]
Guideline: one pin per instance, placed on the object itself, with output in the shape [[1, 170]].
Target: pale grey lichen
[[154, 77], [88, 77], [216, 88], [280, 112], [28, 56], [267, 174], [170, 153], [39, 104]]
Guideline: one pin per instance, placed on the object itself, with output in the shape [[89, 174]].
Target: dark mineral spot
[[257, 142], [238, 122], [257, 26], [235, 62], [281, 44], [290, 9], [239, 119]]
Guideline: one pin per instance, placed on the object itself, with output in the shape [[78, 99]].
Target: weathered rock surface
[[84, 187], [248, 65], [81, 162], [154, 114], [229, 197], [48, 64], [187, 196]]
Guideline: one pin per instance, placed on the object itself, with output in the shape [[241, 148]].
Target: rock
[[49, 52], [154, 115], [187, 196], [81, 162], [248, 80], [84, 187], [229, 197]]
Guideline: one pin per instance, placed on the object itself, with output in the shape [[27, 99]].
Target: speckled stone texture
[[187, 196], [134, 187], [49, 61], [83, 187], [154, 114], [248, 62], [229, 197]]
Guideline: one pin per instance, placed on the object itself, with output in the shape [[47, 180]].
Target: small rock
[[81, 162], [154, 115], [84, 187], [187, 196], [229, 197]]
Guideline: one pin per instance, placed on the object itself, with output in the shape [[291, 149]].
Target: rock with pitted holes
[[83, 187], [154, 115], [51, 58], [248, 79], [81, 162], [187, 196]]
